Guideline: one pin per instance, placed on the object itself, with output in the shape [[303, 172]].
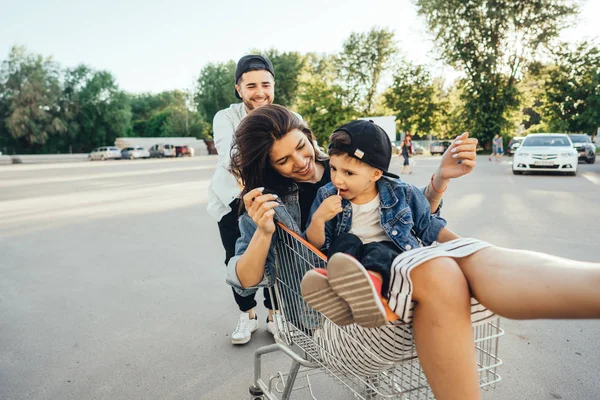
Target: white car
[[551, 152], [105, 153]]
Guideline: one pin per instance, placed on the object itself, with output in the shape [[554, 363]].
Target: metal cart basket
[[376, 363]]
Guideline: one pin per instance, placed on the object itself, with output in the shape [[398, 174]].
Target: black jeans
[[230, 233], [375, 257]]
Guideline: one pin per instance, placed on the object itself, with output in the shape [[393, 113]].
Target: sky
[[156, 45]]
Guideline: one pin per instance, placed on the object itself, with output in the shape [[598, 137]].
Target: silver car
[[105, 153], [135, 152]]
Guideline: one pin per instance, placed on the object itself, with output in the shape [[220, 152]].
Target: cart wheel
[[256, 393]]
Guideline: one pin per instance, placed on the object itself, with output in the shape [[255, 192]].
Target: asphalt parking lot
[[112, 283]]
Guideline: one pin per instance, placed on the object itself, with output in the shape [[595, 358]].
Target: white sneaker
[[271, 327], [243, 330]]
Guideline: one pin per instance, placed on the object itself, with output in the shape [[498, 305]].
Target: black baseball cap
[[369, 143], [251, 62]]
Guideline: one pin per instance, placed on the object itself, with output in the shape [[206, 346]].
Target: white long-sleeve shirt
[[224, 188]]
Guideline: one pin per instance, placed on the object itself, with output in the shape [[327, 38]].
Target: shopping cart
[[372, 368]]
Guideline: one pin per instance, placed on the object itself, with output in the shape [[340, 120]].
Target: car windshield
[[581, 139], [552, 141]]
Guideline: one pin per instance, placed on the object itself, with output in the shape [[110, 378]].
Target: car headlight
[[523, 154], [568, 154]]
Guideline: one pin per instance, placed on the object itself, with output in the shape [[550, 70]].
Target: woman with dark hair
[[274, 155]]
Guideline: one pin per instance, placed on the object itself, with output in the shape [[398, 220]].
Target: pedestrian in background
[[499, 147], [494, 148], [407, 150]]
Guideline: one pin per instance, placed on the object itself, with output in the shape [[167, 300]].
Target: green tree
[[166, 114], [491, 41], [364, 59], [531, 92], [321, 101], [96, 109], [215, 89], [453, 121], [572, 90], [29, 91], [156, 125], [288, 67], [416, 99], [145, 105]]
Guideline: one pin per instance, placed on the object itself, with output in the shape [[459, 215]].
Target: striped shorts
[[364, 351]]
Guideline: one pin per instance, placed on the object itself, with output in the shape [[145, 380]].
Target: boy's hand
[[329, 208]]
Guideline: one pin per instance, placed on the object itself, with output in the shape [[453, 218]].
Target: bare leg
[[442, 330], [522, 284]]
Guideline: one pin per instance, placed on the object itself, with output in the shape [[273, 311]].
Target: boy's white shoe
[[243, 330], [271, 326]]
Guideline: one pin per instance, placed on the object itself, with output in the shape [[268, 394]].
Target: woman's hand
[[459, 159], [329, 208], [260, 208]]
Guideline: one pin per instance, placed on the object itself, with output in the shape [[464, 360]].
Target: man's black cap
[[369, 143], [252, 62]]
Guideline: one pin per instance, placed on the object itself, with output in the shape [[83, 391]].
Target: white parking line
[[594, 178]]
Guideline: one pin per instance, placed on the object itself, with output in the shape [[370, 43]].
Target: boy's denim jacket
[[405, 215], [288, 213]]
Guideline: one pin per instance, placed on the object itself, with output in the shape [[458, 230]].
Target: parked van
[[163, 150]]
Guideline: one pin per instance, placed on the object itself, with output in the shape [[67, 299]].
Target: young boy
[[363, 220]]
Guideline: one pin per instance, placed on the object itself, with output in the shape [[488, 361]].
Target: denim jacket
[[405, 215], [288, 213]]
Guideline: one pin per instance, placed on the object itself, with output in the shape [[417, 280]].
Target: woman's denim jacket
[[396, 197], [288, 213], [404, 210]]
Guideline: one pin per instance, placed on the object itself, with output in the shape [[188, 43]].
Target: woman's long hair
[[252, 145]]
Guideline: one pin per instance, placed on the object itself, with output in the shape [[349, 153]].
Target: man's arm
[[223, 131], [228, 187]]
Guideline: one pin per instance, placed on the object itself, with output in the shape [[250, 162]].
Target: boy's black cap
[[369, 143], [252, 62]]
